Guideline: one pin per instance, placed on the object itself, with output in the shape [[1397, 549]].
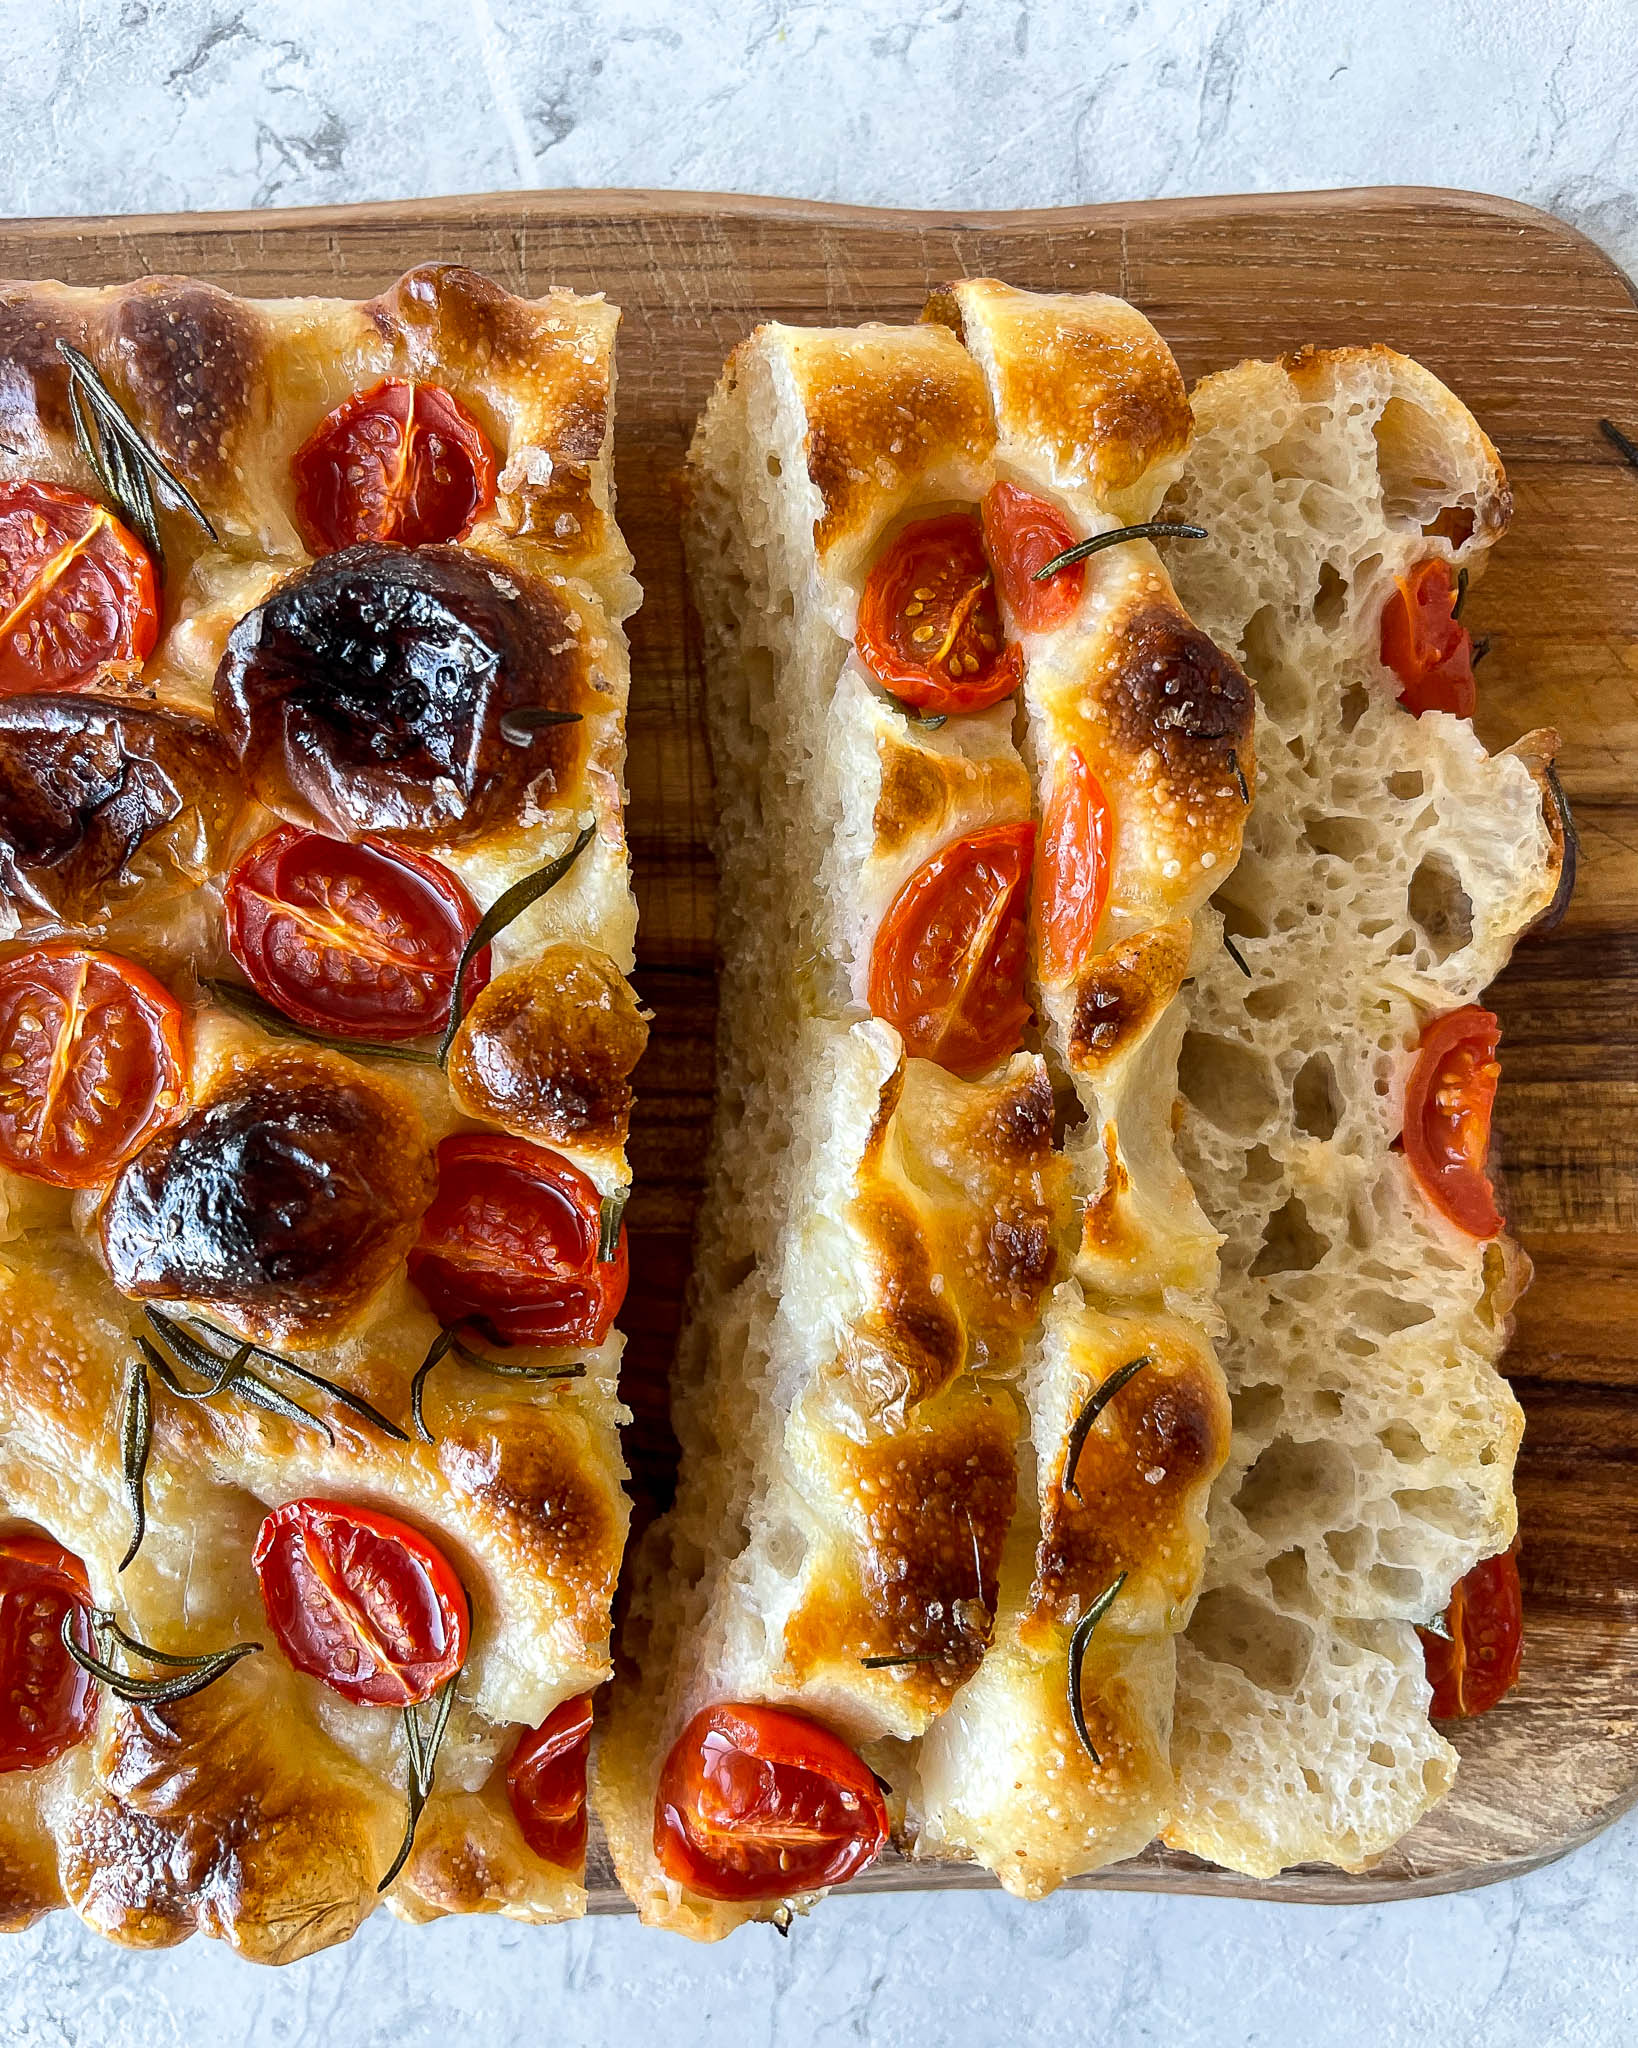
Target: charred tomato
[[510, 1246], [368, 693], [758, 1803], [359, 941]]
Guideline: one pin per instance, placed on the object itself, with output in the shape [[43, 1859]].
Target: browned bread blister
[[265, 1809]]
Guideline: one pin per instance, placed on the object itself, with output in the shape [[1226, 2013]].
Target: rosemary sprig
[[519, 727], [120, 457], [1235, 954], [609, 1213], [232, 1374], [1097, 1402], [1077, 1660], [136, 1437], [1626, 448], [423, 1767], [234, 995], [1240, 776], [446, 1343], [1149, 529], [193, 1674], [1461, 594], [1481, 647], [929, 721], [910, 1657], [510, 904]]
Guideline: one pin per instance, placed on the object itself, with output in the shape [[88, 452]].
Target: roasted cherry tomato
[[510, 1245], [90, 1063], [76, 589], [1478, 1664], [47, 1703], [546, 1783], [400, 462], [1072, 880], [1023, 533], [1448, 1100], [758, 1803], [1426, 646], [362, 1601], [362, 941], [929, 626], [947, 971]]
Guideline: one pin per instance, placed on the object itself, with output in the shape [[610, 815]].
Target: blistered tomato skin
[[1073, 873], [403, 463], [361, 1601], [48, 1705], [91, 1063], [367, 694], [77, 591], [756, 1803], [546, 1784], [510, 1245], [947, 967], [358, 941]]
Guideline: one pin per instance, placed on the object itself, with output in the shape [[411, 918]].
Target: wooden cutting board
[[1538, 332]]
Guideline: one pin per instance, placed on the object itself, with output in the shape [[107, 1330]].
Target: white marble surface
[[206, 103]]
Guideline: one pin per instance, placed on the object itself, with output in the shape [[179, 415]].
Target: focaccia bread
[[864, 1370], [382, 680], [1390, 865]]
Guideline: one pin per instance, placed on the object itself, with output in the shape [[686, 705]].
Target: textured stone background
[[158, 104]]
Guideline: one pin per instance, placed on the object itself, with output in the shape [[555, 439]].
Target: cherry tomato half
[[510, 1245], [362, 941], [1427, 648], [1072, 880], [399, 462], [76, 589], [90, 1063], [362, 1601], [947, 970], [546, 1783], [47, 1703], [757, 1803], [1023, 533], [1448, 1100], [929, 626], [1479, 1663]]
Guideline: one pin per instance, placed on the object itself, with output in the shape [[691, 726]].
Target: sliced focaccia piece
[[885, 1209], [1338, 1080], [309, 1344], [1054, 1759]]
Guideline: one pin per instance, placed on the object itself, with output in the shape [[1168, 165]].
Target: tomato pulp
[[1426, 646], [400, 462], [361, 941], [90, 1063], [362, 1601], [546, 1783], [758, 1803], [1072, 880], [1477, 1663], [510, 1245], [1448, 1100], [77, 589], [47, 1703]]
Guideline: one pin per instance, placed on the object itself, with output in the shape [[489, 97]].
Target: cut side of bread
[[891, 1333], [1390, 864]]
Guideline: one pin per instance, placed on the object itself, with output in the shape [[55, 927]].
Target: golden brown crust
[[194, 363], [1121, 993], [547, 1048]]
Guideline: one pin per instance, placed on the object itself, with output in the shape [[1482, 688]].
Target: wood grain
[[1539, 333]]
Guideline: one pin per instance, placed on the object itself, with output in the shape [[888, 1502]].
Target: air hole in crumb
[[1331, 598], [1380, 1753], [1241, 920], [1261, 1169], [1228, 1084], [1396, 1583], [1388, 1314], [1327, 1404], [1441, 1507], [1455, 524], [1290, 1243], [1440, 906], [1345, 838], [1355, 702], [1288, 1576], [1291, 1480], [1279, 685], [1412, 452], [1403, 1443], [1315, 1099], [1348, 1547], [1271, 1649], [1269, 1001], [775, 466], [1258, 1408], [1407, 784]]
